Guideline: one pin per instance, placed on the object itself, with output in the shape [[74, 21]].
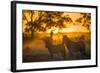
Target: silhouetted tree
[[45, 20], [85, 20], [33, 26]]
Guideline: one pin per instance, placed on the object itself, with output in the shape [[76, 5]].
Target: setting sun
[[54, 29]]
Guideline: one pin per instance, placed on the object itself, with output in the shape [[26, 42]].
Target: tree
[[85, 20], [44, 20], [53, 19], [34, 24], [67, 19]]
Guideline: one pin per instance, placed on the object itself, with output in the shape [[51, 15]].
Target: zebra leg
[[63, 54], [70, 55], [83, 54], [51, 55]]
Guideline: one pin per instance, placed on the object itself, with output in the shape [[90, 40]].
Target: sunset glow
[[76, 28], [54, 29], [50, 35]]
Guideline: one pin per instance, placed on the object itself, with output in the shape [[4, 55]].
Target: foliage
[[85, 20], [43, 20]]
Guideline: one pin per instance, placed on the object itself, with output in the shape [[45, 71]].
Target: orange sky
[[69, 28], [73, 15]]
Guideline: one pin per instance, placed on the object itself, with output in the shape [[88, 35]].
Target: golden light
[[49, 30], [56, 30], [75, 28], [53, 29]]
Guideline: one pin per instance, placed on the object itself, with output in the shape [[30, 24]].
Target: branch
[[25, 17]]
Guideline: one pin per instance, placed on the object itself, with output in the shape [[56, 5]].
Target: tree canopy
[[43, 20]]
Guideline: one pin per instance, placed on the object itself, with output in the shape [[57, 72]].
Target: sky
[[70, 27]]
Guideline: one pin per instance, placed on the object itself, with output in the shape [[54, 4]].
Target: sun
[[54, 29]]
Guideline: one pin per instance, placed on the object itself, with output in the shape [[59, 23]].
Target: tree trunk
[[32, 34]]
